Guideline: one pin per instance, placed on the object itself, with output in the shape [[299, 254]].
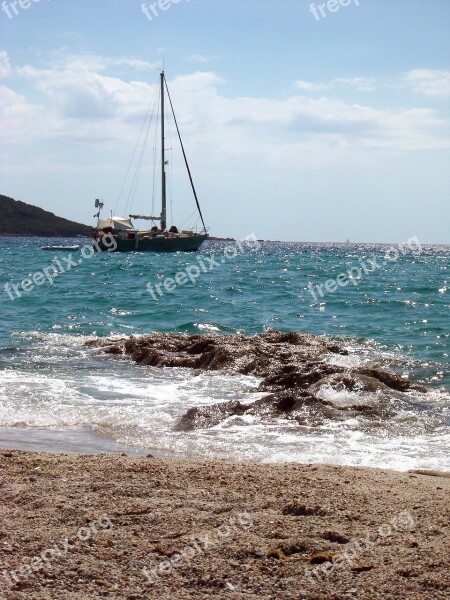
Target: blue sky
[[296, 128]]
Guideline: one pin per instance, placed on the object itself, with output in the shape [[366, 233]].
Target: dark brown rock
[[209, 416], [291, 366]]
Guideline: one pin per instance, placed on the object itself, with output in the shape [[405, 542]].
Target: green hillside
[[23, 219]]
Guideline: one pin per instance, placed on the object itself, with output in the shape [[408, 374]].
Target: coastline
[[107, 525], [64, 441]]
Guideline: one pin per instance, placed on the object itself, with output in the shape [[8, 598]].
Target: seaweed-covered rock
[[292, 367]]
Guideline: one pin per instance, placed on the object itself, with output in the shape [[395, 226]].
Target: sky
[[302, 121]]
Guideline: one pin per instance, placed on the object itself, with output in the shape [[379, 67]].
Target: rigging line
[[134, 183], [137, 173], [136, 177], [188, 219], [155, 108], [171, 173], [194, 227], [185, 158], [135, 149]]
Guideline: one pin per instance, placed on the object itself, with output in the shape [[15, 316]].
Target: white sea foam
[[56, 383]]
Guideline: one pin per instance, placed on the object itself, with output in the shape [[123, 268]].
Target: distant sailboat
[[157, 239]]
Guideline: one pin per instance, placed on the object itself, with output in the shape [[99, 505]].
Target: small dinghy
[[61, 248]]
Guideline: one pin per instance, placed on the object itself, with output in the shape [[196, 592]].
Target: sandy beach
[[125, 527]]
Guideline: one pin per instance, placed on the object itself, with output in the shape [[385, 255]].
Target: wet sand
[[68, 441], [140, 527]]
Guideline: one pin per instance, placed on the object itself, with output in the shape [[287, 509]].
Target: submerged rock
[[292, 366], [208, 416]]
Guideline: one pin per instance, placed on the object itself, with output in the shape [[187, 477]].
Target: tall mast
[[163, 160]]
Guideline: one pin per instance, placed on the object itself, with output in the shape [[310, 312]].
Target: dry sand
[[88, 526]]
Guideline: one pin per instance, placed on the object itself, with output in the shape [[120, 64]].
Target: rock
[[393, 380], [350, 382], [103, 582], [291, 366], [300, 510], [333, 536], [275, 553], [209, 416], [360, 568], [317, 558]]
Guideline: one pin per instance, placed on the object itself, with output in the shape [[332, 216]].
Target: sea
[[389, 305]]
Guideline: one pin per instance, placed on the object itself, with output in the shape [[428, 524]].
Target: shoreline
[[84, 442], [117, 526], [64, 441]]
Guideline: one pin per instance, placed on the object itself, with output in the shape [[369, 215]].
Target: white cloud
[[20, 119], [5, 66], [134, 63], [94, 62], [423, 82], [309, 86], [197, 58], [429, 82], [84, 104], [362, 84], [79, 89]]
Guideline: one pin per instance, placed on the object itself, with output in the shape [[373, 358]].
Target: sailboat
[[158, 238]]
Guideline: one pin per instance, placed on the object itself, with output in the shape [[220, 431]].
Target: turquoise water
[[396, 314]]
